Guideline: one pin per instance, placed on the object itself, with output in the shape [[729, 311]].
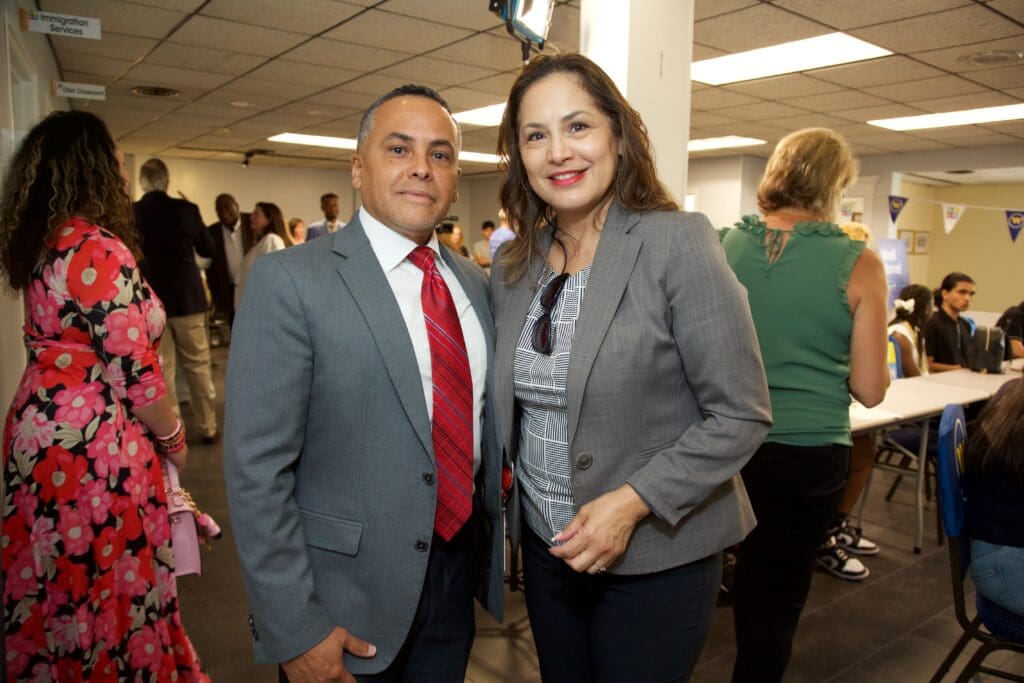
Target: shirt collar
[[391, 248]]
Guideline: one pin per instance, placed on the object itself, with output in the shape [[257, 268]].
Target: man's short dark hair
[[487, 225], [953, 279], [407, 90], [446, 229], [325, 197]]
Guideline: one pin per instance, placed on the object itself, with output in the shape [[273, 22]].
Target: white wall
[[717, 186], [295, 189], [30, 55]]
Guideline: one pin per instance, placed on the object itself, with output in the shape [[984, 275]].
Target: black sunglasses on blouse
[[543, 338]]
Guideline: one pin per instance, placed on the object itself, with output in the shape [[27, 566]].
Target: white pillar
[[645, 46]]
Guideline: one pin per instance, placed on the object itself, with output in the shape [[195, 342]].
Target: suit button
[[584, 461], [428, 479], [422, 546]]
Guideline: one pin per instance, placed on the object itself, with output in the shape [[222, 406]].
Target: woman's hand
[[179, 458], [600, 531]]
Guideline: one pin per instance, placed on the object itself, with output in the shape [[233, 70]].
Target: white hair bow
[[906, 305]]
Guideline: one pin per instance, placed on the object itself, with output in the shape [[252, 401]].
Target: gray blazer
[[666, 389], [327, 452]]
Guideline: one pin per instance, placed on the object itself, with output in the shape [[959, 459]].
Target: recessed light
[[240, 104], [350, 143], [482, 116], [993, 58], [726, 142], [966, 117], [154, 91], [830, 49]]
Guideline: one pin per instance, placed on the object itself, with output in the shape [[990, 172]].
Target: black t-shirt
[[947, 340], [1012, 322]]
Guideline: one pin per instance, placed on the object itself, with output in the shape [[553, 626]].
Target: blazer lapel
[[613, 262], [359, 268]]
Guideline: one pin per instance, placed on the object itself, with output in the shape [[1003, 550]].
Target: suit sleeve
[[202, 238], [715, 338], [269, 379]]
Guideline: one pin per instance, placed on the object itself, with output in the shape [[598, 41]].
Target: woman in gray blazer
[[628, 385]]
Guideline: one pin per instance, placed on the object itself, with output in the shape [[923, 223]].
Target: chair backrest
[[952, 439], [895, 358]]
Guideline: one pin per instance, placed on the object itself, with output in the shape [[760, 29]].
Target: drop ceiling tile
[[229, 35], [565, 29], [269, 91], [345, 55], [492, 52], [85, 63], [758, 26], [924, 88], [139, 105], [307, 113], [496, 85], [340, 128], [1011, 8], [705, 52], [1001, 79], [460, 99], [109, 111], [847, 15], [699, 119], [285, 71], [953, 134], [436, 72], [751, 129], [481, 140], [717, 98], [182, 118], [961, 26], [186, 6], [760, 111], [911, 145], [301, 16], [837, 101], [204, 59], [385, 29], [154, 74], [948, 58], [881, 71], [791, 123], [705, 9], [783, 87], [113, 46], [374, 85], [345, 98], [227, 140], [973, 101], [243, 105], [862, 151], [1015, 128], [120, 17], [471, 15], [1015, 92]]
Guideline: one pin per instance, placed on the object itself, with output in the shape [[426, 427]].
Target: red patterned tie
[[453, 399]]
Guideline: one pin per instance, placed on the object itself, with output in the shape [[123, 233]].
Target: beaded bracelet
[[172, 443]]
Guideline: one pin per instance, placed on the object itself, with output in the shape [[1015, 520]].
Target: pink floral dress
[[89, 592]]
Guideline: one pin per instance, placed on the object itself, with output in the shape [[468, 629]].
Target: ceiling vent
[[154, 91], [993, 58]]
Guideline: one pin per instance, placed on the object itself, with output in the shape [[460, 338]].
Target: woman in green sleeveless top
[[818, 302]]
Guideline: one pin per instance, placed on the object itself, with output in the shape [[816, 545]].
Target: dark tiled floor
[[897, 625]]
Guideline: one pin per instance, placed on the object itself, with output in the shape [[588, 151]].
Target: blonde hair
[[808, 170], [857, 231]]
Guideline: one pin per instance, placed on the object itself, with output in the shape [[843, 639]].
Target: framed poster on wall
[[851, 209], [908, 239], [921, 242]]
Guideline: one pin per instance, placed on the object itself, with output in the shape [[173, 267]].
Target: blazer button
[[584, 461], [422, 546], [428, 479]]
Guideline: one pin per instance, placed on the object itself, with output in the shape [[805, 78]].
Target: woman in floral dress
[[89, 592]]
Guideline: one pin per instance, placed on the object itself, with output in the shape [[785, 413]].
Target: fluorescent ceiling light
[[721, 143], [350, 143], [966, 117], [315, 140], [483, 116], [800, 55]]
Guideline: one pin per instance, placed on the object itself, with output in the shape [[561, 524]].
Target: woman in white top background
[[913, 308], [269, 233]]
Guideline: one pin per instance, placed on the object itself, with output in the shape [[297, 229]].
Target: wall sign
[[59, 24], [82, 91]]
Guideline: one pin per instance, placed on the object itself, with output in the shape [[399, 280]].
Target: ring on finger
[[599, 568]]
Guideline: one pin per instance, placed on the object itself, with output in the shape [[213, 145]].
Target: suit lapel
[[359, 268], [613, 262]]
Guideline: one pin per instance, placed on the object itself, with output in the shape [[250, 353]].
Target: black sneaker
[[850, 539], [836, 562]]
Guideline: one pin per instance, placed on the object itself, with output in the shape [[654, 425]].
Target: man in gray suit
[[365, 517]]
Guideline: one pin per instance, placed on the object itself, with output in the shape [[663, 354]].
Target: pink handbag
[[184, 517]]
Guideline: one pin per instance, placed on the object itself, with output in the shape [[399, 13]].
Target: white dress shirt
[[406, 280], [233, 250]]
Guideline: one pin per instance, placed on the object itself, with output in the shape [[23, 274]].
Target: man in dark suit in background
[[172, 234], [231, 240]]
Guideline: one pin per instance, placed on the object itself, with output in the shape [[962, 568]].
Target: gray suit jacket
[[327, 448], [666, 389]]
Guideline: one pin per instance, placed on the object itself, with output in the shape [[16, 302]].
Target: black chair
[[1003, 630]]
